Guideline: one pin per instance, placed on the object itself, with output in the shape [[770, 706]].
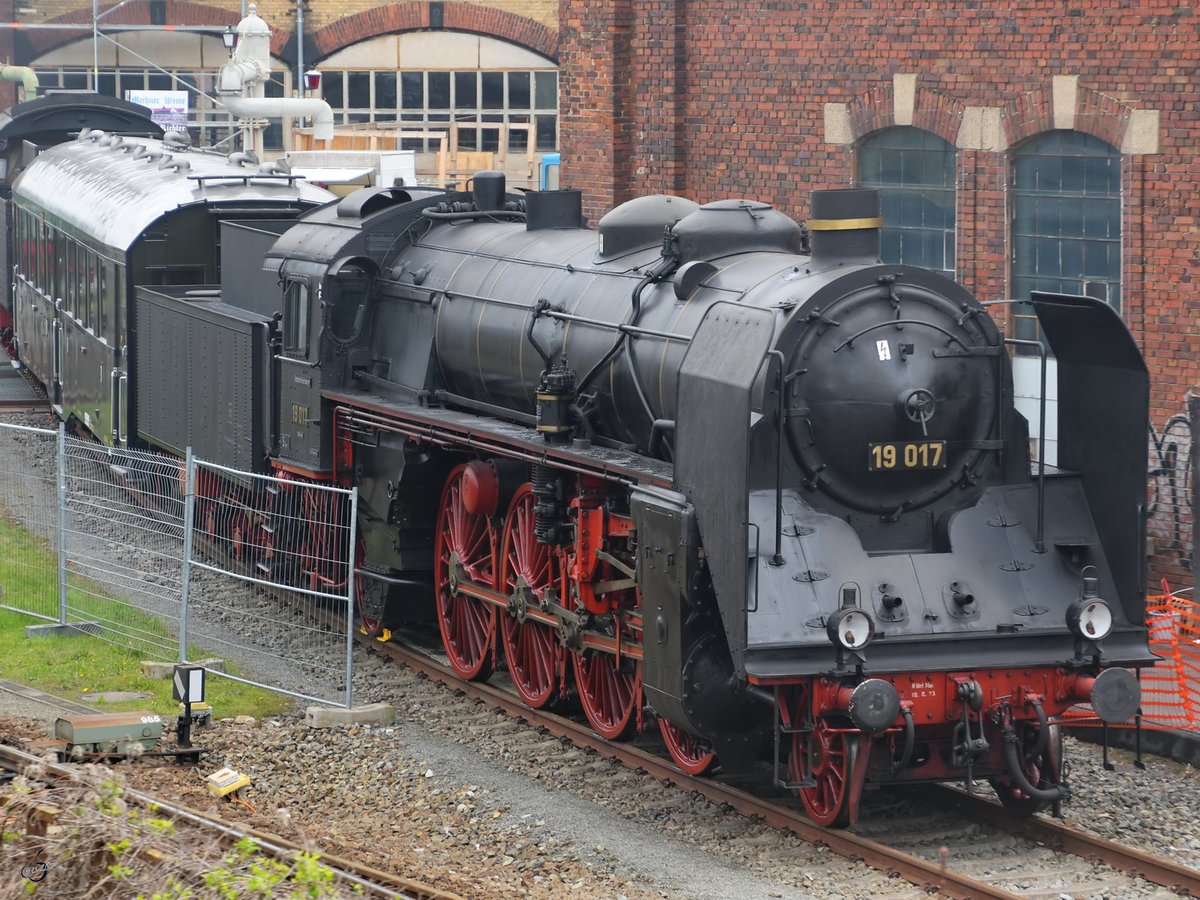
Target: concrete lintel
[[371, 714], [904, 98], [71, 629], [1141, 135], [1066, 100], [981, 129], [837, 124]]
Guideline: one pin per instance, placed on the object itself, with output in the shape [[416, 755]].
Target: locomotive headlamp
[[1089, 616], [850, 629]]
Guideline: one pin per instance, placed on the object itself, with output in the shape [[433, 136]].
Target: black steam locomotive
[[701, 466]]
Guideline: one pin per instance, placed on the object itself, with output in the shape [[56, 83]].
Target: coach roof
[[114, 188]]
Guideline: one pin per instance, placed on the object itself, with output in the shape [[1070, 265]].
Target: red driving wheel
[[464, 551], [527, 568]]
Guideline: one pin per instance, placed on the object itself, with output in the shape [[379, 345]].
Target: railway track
[[18, 392], [38, 813], [994, 856]]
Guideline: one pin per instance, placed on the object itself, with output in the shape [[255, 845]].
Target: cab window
[[295, 317]]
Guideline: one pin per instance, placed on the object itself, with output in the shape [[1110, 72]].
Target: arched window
[[496, 95], [1066, 225], [914, 172]]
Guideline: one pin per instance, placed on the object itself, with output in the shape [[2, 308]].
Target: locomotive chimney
[[845, 227]]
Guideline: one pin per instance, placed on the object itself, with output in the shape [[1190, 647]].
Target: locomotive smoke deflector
[[845, 227]]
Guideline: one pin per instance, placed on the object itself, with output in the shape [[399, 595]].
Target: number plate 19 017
[[906, 455]]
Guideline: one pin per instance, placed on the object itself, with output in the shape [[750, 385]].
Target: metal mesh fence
[[252, 570], [290, 544], [124, 543], [29, 543]]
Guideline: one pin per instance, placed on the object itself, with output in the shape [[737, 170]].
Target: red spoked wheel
[[464, 551], [527, 568], [827, 757], [693, 756], [608, 692], [239, 535]]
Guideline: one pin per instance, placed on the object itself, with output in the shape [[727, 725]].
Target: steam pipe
[[1012, 759], [293, 107], [1043, 727], [910, 740], [23, 74]]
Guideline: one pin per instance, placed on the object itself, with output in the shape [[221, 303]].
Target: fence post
[[352, 569], [189, 506], [62, 523]]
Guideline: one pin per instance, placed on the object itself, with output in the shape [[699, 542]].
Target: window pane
[[412, 90], [545, 90], [439, 90], [518, 90], [385, 91], [331, 89], [493, 90], [465, 93], [547, 132], [358, 90]]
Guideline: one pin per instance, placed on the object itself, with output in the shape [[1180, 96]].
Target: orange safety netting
[[1171, 689]]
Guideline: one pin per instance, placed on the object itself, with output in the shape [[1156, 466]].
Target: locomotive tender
[[691, 468]]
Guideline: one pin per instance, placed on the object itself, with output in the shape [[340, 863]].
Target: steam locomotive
[[700, 467]]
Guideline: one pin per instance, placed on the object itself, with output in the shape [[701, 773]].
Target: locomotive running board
[[452, 428]]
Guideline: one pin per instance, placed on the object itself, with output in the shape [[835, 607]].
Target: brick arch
[[1096, 114], [400, 17], [35, 42], [933, 111]]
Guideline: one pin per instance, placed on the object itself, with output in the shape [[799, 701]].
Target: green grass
[[72, 667]]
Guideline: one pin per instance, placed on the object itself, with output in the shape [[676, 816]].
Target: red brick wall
[[727, 98]]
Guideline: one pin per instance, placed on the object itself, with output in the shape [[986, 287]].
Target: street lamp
[[229, 39], [312, 80]]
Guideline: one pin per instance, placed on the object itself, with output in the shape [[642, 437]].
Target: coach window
[[1066, 221], [72, 301], [95, 298], [914, 171], [119, 304], [45, 261], [81, 285], [295, 317]]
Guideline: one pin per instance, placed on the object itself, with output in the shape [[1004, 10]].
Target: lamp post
[[312, 81], [229, 39]]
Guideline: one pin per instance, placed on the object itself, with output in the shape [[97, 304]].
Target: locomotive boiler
[[698, 469]]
